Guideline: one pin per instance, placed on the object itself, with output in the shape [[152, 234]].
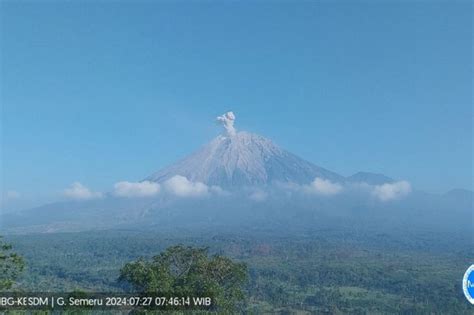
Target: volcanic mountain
[[243, 159], [246, 166], [239, 159]]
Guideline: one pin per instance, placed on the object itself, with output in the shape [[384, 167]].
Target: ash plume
[[227, 120]]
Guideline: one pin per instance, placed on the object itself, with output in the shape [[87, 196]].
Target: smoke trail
[[227, 120]]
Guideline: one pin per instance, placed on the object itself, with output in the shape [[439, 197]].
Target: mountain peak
[[238, 159]]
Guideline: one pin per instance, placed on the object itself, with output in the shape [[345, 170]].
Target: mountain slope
[[244, 159]]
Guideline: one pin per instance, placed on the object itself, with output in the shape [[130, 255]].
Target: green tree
[[11, 265], [187, 271]]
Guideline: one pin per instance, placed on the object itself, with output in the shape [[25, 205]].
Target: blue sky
[[108, 91]]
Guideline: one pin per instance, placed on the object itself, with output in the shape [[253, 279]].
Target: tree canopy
[[187, 271], [11, 265]]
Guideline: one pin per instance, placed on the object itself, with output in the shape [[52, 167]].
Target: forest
[[320, 271]]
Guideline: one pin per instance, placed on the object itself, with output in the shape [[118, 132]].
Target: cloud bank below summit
[[323, 187], [138, 189], [178, 186], [326, 188], [391, 191], [77, 191], [181, 187]]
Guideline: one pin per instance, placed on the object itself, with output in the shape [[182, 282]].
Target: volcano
[[244, 159], [249, 168]]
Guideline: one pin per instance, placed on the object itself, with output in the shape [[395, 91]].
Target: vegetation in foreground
[[184, 271], [11, 265], [322, 272]]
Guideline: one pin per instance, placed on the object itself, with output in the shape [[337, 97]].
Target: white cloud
[[323, 187], [134, 189], [218, 191], [258, 195], [384, 192], [78, 191], [391, 191], [182, 187]]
